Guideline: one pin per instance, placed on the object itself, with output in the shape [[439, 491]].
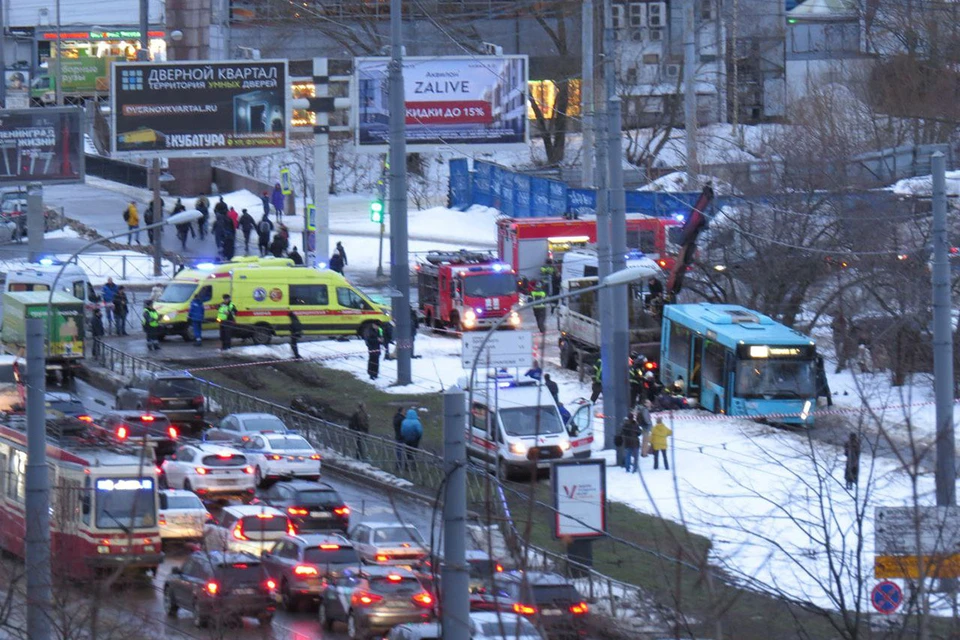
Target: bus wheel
[[262, 334], [716, 406]]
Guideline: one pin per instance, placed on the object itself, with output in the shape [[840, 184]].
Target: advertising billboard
[[185, 109], [459, 100], [41, 145], [579, 498]]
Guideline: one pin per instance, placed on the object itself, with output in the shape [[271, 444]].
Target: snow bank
[[923, 185]]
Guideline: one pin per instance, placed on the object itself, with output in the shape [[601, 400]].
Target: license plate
[[552, 612], [245, 592], [226, 481], [319, 514]]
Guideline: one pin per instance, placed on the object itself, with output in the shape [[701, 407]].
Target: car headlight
[[565, 445], [166, 317], [518, 448], [514, 318]]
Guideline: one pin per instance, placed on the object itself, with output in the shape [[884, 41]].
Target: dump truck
[[65, 334]]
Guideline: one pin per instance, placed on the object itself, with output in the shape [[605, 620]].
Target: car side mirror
[[176, 571]]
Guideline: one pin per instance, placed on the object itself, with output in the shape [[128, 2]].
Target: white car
[[209, 471], [276, 455], [240, 427], [389, 543], [484, 625], [247, 529], [181, 516]]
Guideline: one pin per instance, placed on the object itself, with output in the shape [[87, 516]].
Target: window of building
[[657, 14], [638, 14], [706, 9], [651, 58], [619, 21]]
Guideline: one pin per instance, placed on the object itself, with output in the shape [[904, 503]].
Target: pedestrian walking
[[265, 201], [226, 316], [234, 218], [547, 271], [151, 326], [229, 240], [342, 252], [247, 223], [108, 293], [552, 388], [336, 263], [120, 309], [219, 230], [277, 246], [411, 431], [398, 435], [148, 220], [296, 332], [539, 309], [851, 450], [637, 362], [203, 206], [96, 331], [132, 218], [658, 442], [276, 199], [179, 207], [374, 340], [630, 433], [221, 207], [183, 230], [296, 257], [195, 316], [360, 423], [597, 384], [864, 358], [643, 416], [263, 235]]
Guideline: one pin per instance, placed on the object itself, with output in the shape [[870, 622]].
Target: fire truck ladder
[[464, 256]]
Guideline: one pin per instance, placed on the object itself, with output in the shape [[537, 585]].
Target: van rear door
[[580, 430]]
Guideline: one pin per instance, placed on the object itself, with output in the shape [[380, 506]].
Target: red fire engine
[[526, 243], [466, 290]]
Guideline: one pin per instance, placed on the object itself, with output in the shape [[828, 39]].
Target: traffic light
[[376, 211]]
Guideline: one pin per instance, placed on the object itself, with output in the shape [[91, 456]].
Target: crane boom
[[688, 242]]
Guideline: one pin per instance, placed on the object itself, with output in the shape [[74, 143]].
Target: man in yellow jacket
[[658, 442], [132, 218]]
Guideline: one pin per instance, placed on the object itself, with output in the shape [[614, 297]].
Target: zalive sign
[[917, 542], [41, 145], [579, 498], [178, 109], [503, 349]]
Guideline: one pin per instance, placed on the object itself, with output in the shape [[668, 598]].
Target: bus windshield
[[122, 502], [489, 284], [531, 421], [776, 379], [177, 292]]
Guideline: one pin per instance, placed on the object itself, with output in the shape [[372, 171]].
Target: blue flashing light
[[678, 216], [498, 267], [47, 262], [321, 265], [479, 310], [206, 266]]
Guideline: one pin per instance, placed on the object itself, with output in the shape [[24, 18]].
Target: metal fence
[[115, 170], [120, 267]]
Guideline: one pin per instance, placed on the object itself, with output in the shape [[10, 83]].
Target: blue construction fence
[[519, 195]]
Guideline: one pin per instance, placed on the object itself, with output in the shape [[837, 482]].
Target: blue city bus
[[739, 362]]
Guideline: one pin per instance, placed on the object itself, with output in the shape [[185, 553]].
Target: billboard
[[41, 145], [185, 109], [85, 74], [579, 498], [458, 100]]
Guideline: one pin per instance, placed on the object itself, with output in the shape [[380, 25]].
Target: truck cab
[[466, 290]]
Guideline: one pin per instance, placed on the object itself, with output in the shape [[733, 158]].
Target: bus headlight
[[518, 448], [514, 319], [565, 445]]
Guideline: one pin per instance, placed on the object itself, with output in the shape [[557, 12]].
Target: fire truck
[[466, 290], [526, 243]]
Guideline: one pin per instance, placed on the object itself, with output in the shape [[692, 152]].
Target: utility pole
[[399, 267], [58, 90], [144, 53], [690, 91], [39, 588], [735, 63], [586, 93], [456, 578], [3, 58], [946, 476], [157, 217], [318, 241], [618, 227]]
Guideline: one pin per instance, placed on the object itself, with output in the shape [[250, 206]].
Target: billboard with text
[[41, 145], [182, 109], [478, 100]]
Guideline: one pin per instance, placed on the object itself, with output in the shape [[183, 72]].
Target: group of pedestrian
[[639, 435], [378, 339], [339, 259], [116, 305]]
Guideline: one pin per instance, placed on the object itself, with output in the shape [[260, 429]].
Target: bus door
[[696, 368], [580, 430]]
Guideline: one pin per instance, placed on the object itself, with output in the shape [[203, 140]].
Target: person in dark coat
[[277, 246], [96, 331], [342, 252], [296, 257], [108, 293], [277, 199], [203, 206], [841, 338], [265, 201], [397, 435], [336, 263], [388, 331], [374, 340], [296, 332], [221, 207], [630, 431], [219, 230], [851, 450], [120, 309], [179, 207], [183, 230], [264, 227], [360, 423], [552, 388], [247, 224], [229, 240], [414, 326], [148, 219]]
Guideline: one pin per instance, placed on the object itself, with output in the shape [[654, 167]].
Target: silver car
[[388, 543]]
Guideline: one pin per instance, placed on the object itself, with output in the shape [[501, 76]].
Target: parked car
[[313, 506], [209, 470], [483, 626], [134, 426], [181, 515], [300, 564], [388, 543], [372, 600], [281, 455], [548, 600], [220, 587], [239, 427], [247, 528], [178, 396]]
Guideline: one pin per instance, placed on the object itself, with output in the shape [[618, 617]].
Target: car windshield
[[122, 502], [531, 421], [225, 460], [295, 443], [340, 555], [387, 586], [177, 292], [183, 502], [264, 523], [397, 534], [509, 629], [176, 387], [267, 423], [555, 593], [319, 496], [776, 379], [489, 284]]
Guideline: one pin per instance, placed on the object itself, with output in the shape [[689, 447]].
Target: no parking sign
[[886, 597]]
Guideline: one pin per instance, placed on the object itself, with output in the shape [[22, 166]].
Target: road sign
[[915, 542], [286, 187], [886, 597], [503, 349]]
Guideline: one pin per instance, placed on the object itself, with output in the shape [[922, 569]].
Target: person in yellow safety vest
[[539, 310], [547, 273], [597, 380], [151, 326], [226, 314]]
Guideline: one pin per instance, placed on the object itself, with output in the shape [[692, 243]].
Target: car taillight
[[524, 609], [201, 470], [198, 401], [122, 433], [154, 401], [212, 588], [342, 511], [270, 584], [579, 609], [499, 568], [382, 557], [423, 599], [274, 456], [147, 418], [297, 511], [364, 598], [305, 570], [291, 528], [85, 418], [329, 547], [172, 432], [238, 532], [248, 469], [315, 456], [161, 519]]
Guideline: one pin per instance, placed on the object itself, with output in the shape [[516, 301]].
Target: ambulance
[[264, 291]]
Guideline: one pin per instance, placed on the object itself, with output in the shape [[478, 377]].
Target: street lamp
[[617, 278]]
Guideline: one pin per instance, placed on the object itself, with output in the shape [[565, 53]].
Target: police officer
[[151, 326], [547, 273], [636, 378], [597, 380], [539, 309], [374, 340], [226, 315]]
